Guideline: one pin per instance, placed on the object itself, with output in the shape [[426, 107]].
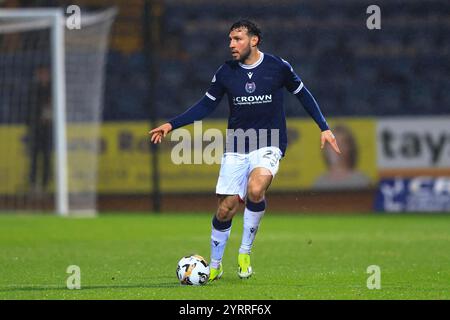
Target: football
[[193, 270]]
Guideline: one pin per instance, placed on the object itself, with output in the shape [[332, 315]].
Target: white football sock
[[251, 224], [219, 240]]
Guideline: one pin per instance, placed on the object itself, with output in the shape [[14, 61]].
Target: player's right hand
[[158, 133]]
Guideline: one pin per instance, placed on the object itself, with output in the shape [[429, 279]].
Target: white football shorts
[[236, 168]]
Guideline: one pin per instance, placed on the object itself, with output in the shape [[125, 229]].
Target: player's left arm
[[311, 106], [295, 85]]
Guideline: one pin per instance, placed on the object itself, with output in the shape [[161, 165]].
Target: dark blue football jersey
[[255, 97]]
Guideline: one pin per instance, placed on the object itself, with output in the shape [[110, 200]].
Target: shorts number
[[272, 157]]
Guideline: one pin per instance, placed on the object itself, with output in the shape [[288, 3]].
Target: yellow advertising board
[[307, 166], [125, 158], [13, 159]]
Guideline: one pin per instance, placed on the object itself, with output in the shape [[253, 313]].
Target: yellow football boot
[[215, 274], [244, 267]]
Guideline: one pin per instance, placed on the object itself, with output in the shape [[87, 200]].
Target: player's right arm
[[198, 111]]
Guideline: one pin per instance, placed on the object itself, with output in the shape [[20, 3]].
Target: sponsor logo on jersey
[[249, 100]]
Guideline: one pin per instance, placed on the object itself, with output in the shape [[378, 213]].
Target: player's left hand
[[328, 136]]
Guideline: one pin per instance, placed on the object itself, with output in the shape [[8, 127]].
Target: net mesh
[[27, 152]]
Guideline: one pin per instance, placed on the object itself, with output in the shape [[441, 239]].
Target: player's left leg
[[264, 166], [258, 182]]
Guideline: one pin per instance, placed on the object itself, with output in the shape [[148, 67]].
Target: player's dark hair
[[252, 28]]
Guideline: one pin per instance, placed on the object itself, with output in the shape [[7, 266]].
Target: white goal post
[[24, 20]]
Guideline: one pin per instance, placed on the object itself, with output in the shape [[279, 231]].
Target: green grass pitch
[[134, 256]]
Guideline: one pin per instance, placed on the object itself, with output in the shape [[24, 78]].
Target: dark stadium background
[[400, 70]]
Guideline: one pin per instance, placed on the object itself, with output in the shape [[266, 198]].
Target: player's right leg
[[230, 187], [220, 232]]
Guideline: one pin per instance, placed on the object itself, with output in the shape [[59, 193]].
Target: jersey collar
[[251, 66]]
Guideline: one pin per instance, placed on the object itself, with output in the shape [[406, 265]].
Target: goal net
[[51, 96]]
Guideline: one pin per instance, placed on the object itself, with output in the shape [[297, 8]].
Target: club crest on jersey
[[250, 87]]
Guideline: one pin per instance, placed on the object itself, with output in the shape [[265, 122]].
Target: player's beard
[[245, 54]]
